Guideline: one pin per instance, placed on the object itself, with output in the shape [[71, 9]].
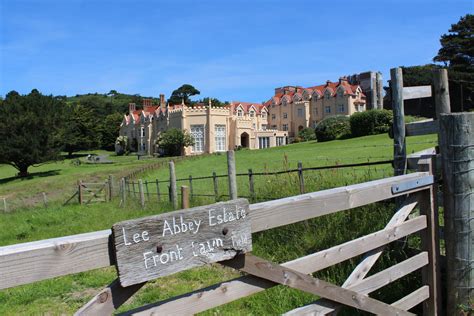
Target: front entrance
[[244, 140]]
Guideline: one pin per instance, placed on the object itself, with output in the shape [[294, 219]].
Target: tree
[[215, 102], [182, 94], [173, 141], [109, 130], [81, 130], [306, 134], [29, 129]]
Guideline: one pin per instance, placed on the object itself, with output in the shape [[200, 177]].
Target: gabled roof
[[246, 106]]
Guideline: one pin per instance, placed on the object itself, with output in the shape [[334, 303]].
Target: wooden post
[[184, 197], [191, 187], [300, 176], [430, 241], [441, 92], [147, 192], [173, 189], [133, 187], [216, 189], [399, 146], [122, 191], [158, 190], [5, 208], [251, 186], [142, 194], [45, 200], [111, 187], [79, 192], [456, 146], [231, 174]]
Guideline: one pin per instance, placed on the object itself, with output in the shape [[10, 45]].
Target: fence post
[[173, 189], [45, 200], [79, 191], [430, 241], [251, 186], [142, 194], [399, 148], [231, 174], [184, 197], [111, 187], [216, 189], [191, 186], [147, 192], [441, 92], [122, 191], [133, 187], [300, 176], [158, 190], [456, 146], [5, 208]]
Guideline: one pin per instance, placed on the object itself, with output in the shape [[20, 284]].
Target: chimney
[[162, 101], [342, 79], [328, 82], [147, 103], [131, 108]]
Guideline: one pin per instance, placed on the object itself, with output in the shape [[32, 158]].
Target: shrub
[[371, 122], [306, 134], [173, 141], [332, 128]]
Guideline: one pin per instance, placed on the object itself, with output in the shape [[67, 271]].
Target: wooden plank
[[23, 263], [294, 279], [367, 285], [424, 127], [441, 92], [414, 298], [160, 245], [416, 92], [226, 292], [412, 159]]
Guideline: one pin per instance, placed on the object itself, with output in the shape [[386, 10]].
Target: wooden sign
[[416, 92], [155, 246]]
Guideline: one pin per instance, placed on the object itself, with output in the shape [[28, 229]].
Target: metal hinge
[[412, 184]]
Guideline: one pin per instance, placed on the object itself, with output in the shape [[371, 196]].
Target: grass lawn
[[64, 295]]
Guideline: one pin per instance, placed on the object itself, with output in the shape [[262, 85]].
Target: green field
[[67, 294]]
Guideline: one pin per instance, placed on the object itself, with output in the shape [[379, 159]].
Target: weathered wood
[[232, 178], [399, 148], [5, 208], [441, 92], [413, 159], [147, 191], [456, 146], [424, 127], [141, 193], [29, 262], [80, 193], [413, 299], [430, 242], [45, 200], [111, 187], [123, 193], [416, 92], [251, 186], [109, 299], [173, 188], [191, 191], [216, 187], [164, 244], [158, 196], [184, 197], [367, 285], [133, 187], [292, 278], [300, 177]]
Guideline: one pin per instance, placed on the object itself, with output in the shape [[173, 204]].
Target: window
[[274, 127], [252, 113], [328, 109], [197, 132], [340, 93], [328, 95], [273, 116], [254, 126], [341, 108], [300, 113], [263, 142], [264, 127], [142, 132], [240, 112], [315, 110], [220, 137], [264, 114], [285, 127], [280, 141], [285, 115], [142, 147]]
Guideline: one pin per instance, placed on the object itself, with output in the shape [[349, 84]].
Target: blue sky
[[232, 50]]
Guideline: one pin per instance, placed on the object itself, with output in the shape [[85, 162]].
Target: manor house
[[242, 124], [214, 129]]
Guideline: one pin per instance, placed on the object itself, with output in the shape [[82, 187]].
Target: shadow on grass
[[32, 176]]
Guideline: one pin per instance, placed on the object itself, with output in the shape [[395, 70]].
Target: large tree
[[29, 129], [110, 128], [182, 94]]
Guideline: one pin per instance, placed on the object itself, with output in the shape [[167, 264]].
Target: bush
[[306, 134], [371, 122], [173, 141], [332, 128]]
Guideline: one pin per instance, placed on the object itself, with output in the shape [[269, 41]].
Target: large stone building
[[294, 108], [214, 129]]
